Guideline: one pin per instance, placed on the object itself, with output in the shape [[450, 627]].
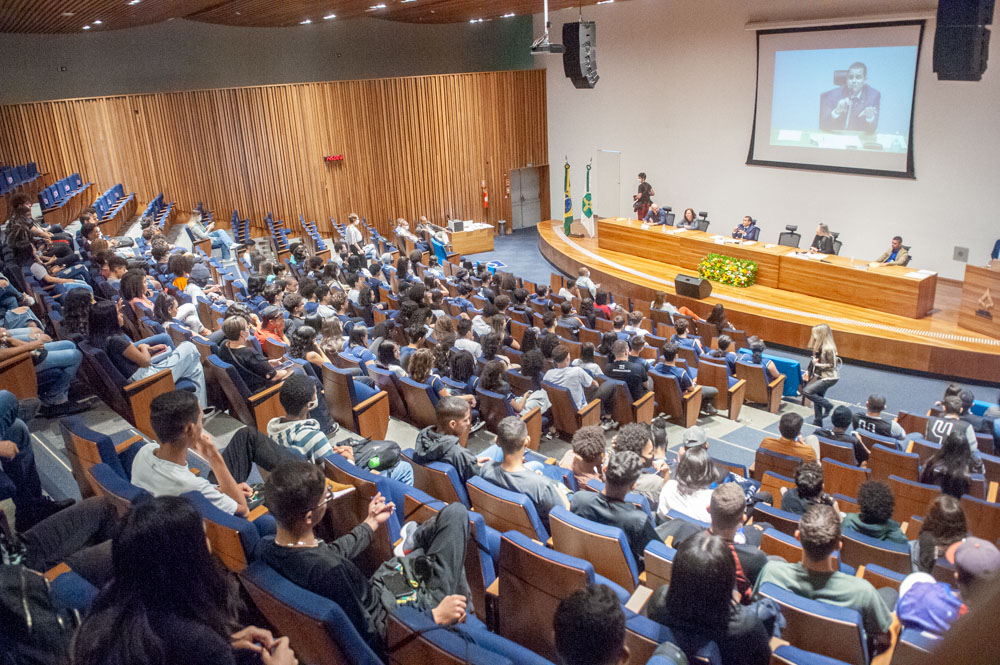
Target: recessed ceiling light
[[475, 20], [134, 2], [380, 5], [305, 22], [605, 2], [329, 16], [68, 13], [403, 2], [86, 27], [97, 22], [508, 15]]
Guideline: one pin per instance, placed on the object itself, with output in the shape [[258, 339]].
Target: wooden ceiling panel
[[69, 16]]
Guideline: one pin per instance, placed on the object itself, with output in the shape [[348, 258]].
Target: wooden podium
[[980, 308]]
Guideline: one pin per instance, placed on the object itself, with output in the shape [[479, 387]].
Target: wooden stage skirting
[[933, 344]]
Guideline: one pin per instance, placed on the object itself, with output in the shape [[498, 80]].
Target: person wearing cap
[[927, 604], [272, 325]]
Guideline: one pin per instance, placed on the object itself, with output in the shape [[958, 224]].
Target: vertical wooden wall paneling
[[412, 146]]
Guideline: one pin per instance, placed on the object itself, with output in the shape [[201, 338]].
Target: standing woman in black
[[823, 372]]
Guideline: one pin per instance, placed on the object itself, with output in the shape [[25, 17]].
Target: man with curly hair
[[874, 517], [586, 458], [636, 437]]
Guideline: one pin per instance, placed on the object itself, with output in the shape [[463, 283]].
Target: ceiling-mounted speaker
[[961, 39], [580, 58]]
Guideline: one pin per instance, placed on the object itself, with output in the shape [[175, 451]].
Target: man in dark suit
[[853, 106]]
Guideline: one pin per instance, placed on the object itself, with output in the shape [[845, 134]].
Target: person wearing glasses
[[162, 470]]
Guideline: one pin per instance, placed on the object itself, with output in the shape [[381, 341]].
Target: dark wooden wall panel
[[418, 145]]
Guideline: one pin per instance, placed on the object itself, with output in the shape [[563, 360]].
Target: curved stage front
[[933, 344]]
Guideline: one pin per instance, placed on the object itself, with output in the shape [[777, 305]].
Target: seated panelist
[[656, 215], [896, 255], [747, 229], [687, 221], [823, 242]]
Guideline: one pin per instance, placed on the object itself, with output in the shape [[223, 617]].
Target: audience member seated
[[634, 326], [808, 490], [430, 560], [951, 467], [170, 601], [220, 239], [586, 456], [441, 443], [872, 420], [689, 492], [944, 524], [511, 474], [669, 367], [698, 604], [683, 337], [940, 427], [717, 317], [928, 605], [757, 349], [630, 372], [587, 362], [874, 519], [790, 443], [162, 470], [584, 283], [55, 364], [589, 626], [611, 508], [817, 576], [61, 279], [840, 420], [636, 438], [723, 353], [137, 360], [465, 340], [253, 367], [20, 475], [582, 387]]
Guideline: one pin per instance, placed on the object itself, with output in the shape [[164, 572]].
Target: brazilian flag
[[568, 213], [587, 210]]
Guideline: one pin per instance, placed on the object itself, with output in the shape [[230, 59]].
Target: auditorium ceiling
[[71, 16]]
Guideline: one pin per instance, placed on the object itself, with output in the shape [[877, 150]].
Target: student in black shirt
[[431, 562], [632, 373], [840, 420], [169, 601], [611, 508], [872, 420], [256, 371], [808, 489]]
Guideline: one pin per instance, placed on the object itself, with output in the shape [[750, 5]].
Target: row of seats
[[13, 177], [241, 229], [63, 201], [115, 209], [163, 214]]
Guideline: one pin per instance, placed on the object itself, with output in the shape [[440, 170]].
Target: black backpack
[[375, 455], [32, 630]]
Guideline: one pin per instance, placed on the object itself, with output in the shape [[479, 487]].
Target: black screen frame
[[910, 172]]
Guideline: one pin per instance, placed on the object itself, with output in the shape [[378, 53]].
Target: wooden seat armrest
[[371, 401], [533, 420], [637, 601], [372, 415], [266, 405], [590, 414], [777, 382], [257, 512], [695, 389], [736, 387], [141, 394], [128, 443], [265, 394], [991, 494], [641, 402], [56, 571]]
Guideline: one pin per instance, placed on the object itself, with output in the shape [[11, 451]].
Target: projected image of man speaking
[[853, 106]]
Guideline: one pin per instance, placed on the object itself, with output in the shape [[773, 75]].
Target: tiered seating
[[313, 240], [162, 214], [241, 229], [278, 235], [65, 200], [14, 178], [115, 209]]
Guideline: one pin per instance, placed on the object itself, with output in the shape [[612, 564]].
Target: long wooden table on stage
[[934, 344], [890, 289]]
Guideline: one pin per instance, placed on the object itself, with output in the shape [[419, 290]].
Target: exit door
[[525, 202]]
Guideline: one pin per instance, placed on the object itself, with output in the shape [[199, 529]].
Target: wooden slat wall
[[412, 146]]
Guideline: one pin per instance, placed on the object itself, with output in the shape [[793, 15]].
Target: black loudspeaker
[[580, 58], [692, 287], [961, 39]]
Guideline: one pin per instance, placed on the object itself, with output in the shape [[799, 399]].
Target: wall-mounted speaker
[[692, 287], [580, 58], [961, 39]]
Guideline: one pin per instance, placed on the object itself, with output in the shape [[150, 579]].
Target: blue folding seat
[[606, 547], [505, 510]]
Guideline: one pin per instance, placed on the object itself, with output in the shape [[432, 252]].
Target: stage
[[933, 344]]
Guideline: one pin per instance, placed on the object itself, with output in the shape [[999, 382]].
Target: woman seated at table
[[136, 361], [688, 220], [823, 242], [757, 349]]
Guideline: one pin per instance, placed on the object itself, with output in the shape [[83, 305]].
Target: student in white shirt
[[352, 235], [568, 290], [162, 470], [584, 282], [465, 340]]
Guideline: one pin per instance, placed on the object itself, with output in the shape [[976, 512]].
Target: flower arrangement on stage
[[728, 270]]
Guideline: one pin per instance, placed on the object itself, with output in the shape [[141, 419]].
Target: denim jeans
[[65, 288], [65, 357], [19, 479], [222, 242], [13, 320], [184, 362]]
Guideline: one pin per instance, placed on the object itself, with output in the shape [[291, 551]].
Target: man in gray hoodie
[[441, 443]]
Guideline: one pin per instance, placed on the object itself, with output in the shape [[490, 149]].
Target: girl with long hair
[[690, 490], [951, 467], [169, 600], [698, 604], [943, 526], [823, 372], [76, 307], [166, 309], [332, 341], [302, 344]]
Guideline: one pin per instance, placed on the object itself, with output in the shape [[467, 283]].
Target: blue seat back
[[318, 627], [249, 532], [121, 490], [429, 483], [607, 534], [813, 625], [502, 520]]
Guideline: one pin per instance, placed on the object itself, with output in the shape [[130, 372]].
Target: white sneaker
[[405, 545], [27, 300]]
